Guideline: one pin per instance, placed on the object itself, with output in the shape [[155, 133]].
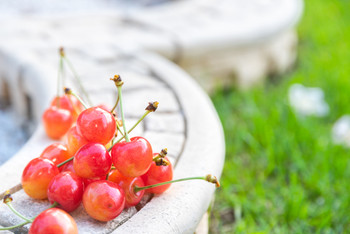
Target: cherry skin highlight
[[158, 174], [132, 158], [56, 152], [56, 122], [67, 190], [74, 140], [92, 161], [128, 184], [37, 176], [96, 125], [103, 200], [53, 221]]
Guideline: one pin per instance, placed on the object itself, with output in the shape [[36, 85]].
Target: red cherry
[[56, 153], [37, 176], [96, 125], [103, 200], [74, 140], [132, 158], [69, 167], [53, 221], [92, 161], [128, 184], [57, 122], [70, 103], [67, 190], [158, 174]]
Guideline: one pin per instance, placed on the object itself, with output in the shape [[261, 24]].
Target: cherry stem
[[70, 92], [127, 139], [64, 162], [60, 68], [137, 123], [15, 226], [115, 105], [9, 204], [77, 78], [209, 178]]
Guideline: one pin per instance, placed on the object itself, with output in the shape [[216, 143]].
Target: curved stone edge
[[180, 209]]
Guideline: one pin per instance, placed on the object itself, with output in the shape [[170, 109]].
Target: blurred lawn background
[[282, 173]]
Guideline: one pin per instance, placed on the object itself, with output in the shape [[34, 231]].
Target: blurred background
[[281, 89]]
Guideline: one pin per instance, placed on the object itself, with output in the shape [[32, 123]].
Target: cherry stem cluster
[[208, 178]]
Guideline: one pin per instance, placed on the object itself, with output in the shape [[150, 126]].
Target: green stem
[[144, 115], [60, 68], [76, 76], [68, 160], [17, 213], [127, 139], [15, 226], [115, 105], [137, 189]]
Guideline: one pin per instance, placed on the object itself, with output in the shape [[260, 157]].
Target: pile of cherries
[[93, 166]]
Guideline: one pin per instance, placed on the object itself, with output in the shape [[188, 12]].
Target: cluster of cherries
[[92, 167]]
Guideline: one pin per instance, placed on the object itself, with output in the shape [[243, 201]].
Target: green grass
[[282, 173]]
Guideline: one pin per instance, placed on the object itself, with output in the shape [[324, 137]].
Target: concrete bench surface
[[250, 39]]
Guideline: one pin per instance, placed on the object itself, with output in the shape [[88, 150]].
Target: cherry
[[96, 125], [56, 121], [74, 140], [132, 198], [67, 190], [103, 200], [56, 153], [52, 221], [158, 174], [132, 158], [92, 161], [37, 176], [70, 103]]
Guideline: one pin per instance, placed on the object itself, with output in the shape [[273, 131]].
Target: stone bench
[[186, 123]]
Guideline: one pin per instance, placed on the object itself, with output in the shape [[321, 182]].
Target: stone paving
[[101, 45]]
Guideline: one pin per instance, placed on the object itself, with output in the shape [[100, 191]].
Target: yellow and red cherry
[[158, 174], [53, 220], [36, 177], [103, 200], [67, 190], [92, 161], [70, 103], [128, 184], [96, 125], [132, 158], [74, 140], [56, 152], [57, 122]]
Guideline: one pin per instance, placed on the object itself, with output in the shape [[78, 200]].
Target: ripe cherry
[[56, 153], [103, 200], [128, 184], [37, 176], [74, 140], [96, 125], [158, 174], [67, 190], [132, 158], [56, 122], [92, 161], [53, 220], [70, 103]]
